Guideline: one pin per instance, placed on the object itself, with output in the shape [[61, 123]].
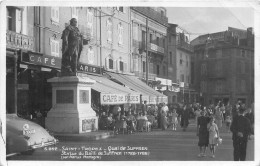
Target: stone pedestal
[[71, 110]]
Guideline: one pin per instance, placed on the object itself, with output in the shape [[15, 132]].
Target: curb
[[91, 136]]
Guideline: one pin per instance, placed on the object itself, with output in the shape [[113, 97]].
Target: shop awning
[[148, 93], [113, 93]]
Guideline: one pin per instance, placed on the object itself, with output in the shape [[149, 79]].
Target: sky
[[203, 20]]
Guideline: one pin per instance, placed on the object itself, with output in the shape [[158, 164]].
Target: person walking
[[203, 133], [219, 117], [213, 136], [185, 118], [174, 119], [240, 127]]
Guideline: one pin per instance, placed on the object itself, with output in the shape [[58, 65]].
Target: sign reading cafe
[[119, 99]]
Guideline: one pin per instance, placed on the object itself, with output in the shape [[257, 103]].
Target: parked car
[[24, 136]]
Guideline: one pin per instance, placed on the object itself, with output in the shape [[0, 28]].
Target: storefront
[[147, 93], [106, 93]]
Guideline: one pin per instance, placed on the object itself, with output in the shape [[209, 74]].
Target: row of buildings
[[121, 42]]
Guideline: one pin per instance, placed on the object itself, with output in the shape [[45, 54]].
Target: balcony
[[155, 48], [152, 14], [19, 41], [143, 75], [185, 46]]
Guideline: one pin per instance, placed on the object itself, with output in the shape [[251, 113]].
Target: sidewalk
[[90, 136]]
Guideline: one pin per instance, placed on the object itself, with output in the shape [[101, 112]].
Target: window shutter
[[117, 65], [56, 49], [107, 62], [125, 67]]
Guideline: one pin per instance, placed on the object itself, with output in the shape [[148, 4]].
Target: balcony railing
[[185, 46], [151, 76], [19, 41], [152, 14]]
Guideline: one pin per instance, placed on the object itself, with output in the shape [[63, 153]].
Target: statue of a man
[[72, 44]]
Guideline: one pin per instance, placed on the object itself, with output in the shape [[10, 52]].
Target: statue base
[[71, 110]]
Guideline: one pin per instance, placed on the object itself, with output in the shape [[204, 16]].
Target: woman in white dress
[[213, 136]]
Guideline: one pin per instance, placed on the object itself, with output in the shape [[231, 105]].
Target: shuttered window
[[74, 13], [55, 44], [55, 16]]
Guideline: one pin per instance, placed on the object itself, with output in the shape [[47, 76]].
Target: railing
[[19, 41], [155, 48], [151, 13], [185, 46], [151, 76]]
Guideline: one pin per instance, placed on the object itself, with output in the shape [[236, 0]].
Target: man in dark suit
[[240, 128]]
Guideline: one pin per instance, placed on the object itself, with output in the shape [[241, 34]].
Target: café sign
[[119, 99], [41, 60]]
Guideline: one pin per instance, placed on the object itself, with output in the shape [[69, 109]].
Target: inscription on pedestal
[[84, 96], [88, 124], [64, 96]]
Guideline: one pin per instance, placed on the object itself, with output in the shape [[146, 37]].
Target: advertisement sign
[[119, 99]]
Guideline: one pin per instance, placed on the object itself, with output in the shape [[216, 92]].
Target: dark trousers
[[239, 150]]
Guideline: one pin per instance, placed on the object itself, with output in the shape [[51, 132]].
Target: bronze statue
[[72, 44]]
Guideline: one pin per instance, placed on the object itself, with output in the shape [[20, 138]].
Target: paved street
[[157, 146]]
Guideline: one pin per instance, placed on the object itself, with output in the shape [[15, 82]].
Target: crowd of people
[[210, 120], [237, 119], [146, 117]]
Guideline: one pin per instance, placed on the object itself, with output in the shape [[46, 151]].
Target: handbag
[[219, 141]]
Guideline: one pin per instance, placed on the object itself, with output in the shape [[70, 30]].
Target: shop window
[[55, 47], [120, 33], [14, 19], [74, 13], [90, 18], [55, 15], [109, 30]]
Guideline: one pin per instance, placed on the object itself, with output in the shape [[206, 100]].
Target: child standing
[[174, 119], [213, 136], [228, 122]]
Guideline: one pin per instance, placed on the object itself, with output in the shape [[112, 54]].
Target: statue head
[[73, 22]]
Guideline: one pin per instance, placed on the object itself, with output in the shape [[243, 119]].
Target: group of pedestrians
[[238, 120]]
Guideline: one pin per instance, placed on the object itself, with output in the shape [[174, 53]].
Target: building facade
[[150, 24], [224, 66]]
